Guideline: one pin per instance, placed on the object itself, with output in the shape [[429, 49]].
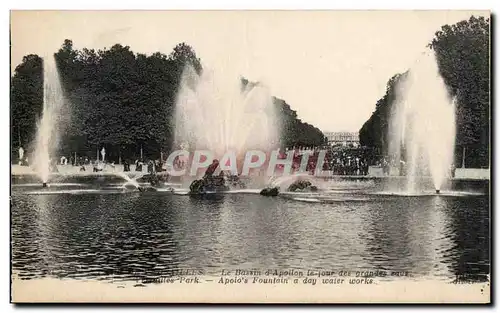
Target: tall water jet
[[422, 125], [48, 126], [216, 112]]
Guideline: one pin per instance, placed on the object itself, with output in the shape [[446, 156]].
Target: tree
[[293, 132], [375, 131], [119, 100], [26, 101], [183, 55], [462, 52]]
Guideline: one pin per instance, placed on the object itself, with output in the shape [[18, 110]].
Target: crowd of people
[[338, 161], [343, 161], [152, 166]]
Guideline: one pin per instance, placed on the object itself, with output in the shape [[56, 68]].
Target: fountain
[[295, 182], [128, 180], [422, 126], [48, 127], [215, 112]]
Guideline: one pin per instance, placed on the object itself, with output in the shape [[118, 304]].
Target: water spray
[[423, 122]]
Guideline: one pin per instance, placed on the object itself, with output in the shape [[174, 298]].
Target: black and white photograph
[[250, 156]]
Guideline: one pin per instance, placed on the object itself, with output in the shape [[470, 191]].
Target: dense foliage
[[374, 132], [294, 132], [120, 100], [26, 96], [462, 51]]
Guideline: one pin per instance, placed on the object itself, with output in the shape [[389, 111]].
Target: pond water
[[89, 231]]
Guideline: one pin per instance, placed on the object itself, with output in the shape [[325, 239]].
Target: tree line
[[120, 100], [462, 52]]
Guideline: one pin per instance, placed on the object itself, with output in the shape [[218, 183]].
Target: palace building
[[343, 138]]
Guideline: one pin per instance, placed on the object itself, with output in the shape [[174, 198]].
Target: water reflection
[[389, 240], [134, 236], [232, 232], [469, 229], [111, 236], [428, 236], [439, 236]]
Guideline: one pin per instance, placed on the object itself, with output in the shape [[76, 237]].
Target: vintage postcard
[[250, 156]]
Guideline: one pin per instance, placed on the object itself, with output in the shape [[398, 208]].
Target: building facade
[[343, 138]]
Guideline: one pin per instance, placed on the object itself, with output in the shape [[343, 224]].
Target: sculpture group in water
[[211, 183], [297, 186]]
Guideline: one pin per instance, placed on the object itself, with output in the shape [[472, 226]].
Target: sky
[[329, 66]]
